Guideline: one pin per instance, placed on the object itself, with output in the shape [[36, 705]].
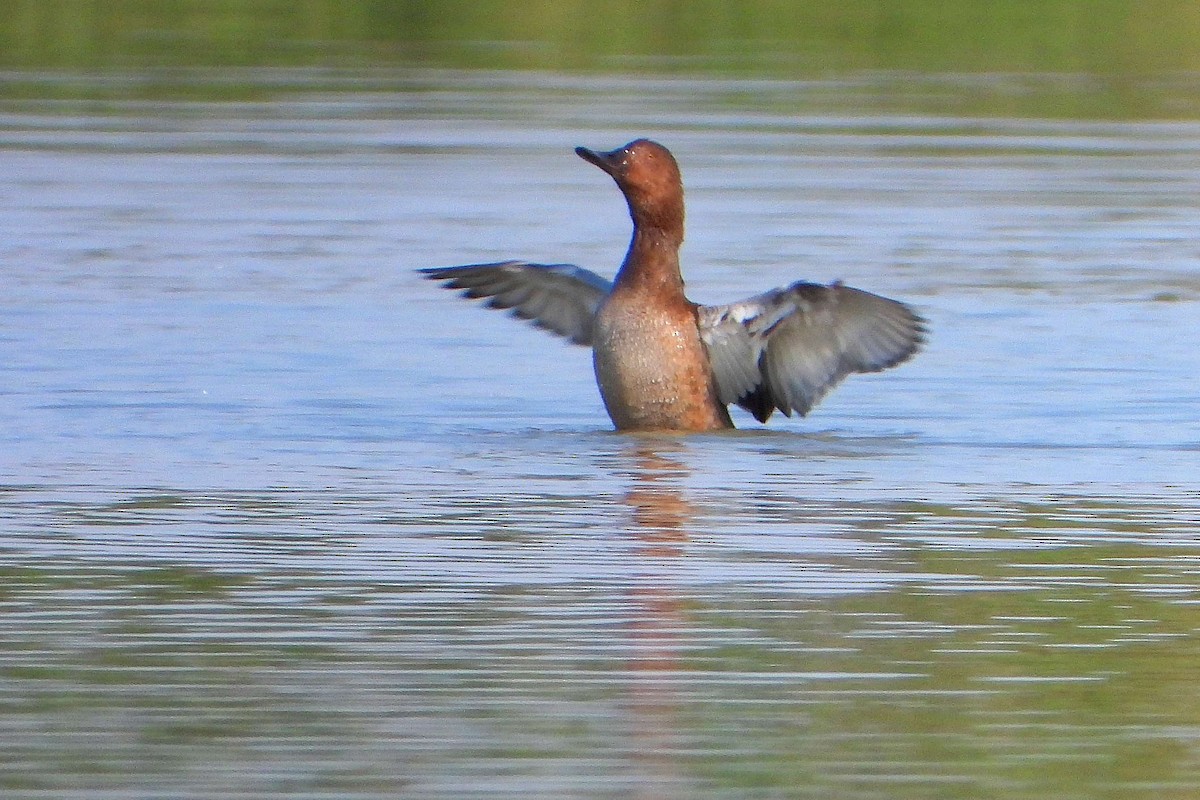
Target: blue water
[[279, 517]]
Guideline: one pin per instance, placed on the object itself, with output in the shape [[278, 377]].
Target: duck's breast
[[652, 368]]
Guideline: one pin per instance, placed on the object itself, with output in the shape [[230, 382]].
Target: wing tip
[[915, 339], [435, 273]]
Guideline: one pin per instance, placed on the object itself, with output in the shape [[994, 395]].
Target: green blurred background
[[1140, 58]]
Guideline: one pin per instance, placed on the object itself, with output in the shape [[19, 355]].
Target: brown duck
[[666, 363]]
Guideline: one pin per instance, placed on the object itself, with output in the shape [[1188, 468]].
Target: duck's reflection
[[660, 515]]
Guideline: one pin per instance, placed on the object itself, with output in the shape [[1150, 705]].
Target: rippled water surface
[[279, 518]]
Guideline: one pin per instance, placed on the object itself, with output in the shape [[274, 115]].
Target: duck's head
[[647, 174]]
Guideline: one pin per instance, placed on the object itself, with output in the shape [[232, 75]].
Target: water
[[280, 518]]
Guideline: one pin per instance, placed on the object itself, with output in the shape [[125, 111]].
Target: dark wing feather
[[788, 347], [561, 298]]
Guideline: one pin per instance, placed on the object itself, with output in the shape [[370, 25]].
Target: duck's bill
[[610, 161]]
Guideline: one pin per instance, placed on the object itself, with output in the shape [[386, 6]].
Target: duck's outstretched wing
[[788, 347], [561, 298]]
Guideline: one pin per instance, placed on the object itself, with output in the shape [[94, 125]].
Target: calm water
[[279, 518]]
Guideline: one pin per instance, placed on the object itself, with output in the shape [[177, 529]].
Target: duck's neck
[[652, 262]]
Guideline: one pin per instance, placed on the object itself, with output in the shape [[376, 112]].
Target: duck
[[665, 363]]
